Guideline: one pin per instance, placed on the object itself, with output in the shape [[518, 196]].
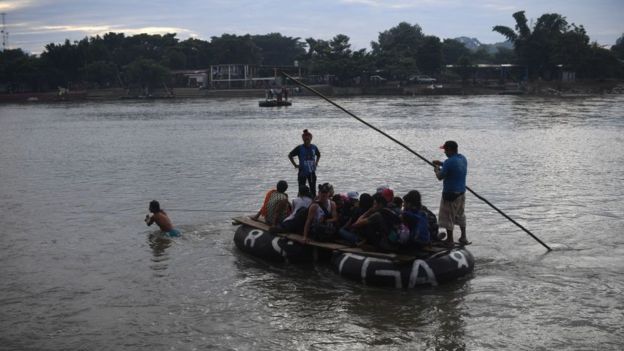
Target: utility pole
[[4, 33]]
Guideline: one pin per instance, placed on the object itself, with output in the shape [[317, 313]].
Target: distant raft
[[274, 103], [370, 268]]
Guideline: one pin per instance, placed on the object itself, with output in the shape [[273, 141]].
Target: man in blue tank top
[[309, 156], [453, 174]]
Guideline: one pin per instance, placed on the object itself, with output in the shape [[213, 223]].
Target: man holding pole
[[453, 174]]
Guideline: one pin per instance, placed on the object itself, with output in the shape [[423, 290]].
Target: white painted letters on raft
[[460, 259], [415, 279], [277, 248], [252, 236], [414, 274]]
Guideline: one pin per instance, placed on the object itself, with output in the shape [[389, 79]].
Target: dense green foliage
[[401, 52], [553, 44], [142, 61]]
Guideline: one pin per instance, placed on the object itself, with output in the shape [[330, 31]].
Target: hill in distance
[[473, 44]]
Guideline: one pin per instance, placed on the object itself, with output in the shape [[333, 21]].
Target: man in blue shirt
[[453, 174], [309, 156]]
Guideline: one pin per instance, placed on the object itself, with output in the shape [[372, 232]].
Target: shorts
[[173, 233], [452, 213]]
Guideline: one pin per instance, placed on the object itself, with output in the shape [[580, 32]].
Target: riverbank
[[538, 88]]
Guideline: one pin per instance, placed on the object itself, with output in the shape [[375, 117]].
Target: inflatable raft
[[274, 103], [437, 266]]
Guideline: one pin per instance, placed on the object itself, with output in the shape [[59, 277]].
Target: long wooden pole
[[316, 92]]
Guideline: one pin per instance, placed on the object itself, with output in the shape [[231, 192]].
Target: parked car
[[422, 79], [377, 79]]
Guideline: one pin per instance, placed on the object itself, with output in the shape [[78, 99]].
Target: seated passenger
[[397, 202], [161, 219], [330, 189], [415, 219], [381, 188], [275, 207], [387, 194], [322, 217], [341, 209], [296, 220], [377, 223], [347, 232], [354, 198]]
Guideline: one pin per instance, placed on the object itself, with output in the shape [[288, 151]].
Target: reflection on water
[[159, 242], [342, 315], [78, 266]]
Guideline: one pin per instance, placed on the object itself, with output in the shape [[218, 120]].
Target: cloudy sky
[[34, 23]]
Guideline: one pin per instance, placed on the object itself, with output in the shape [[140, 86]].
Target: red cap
[[388, 194]]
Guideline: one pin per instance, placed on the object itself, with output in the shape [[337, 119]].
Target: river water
[[80, 270]]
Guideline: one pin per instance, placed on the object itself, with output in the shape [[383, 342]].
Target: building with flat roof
[[235, 76]]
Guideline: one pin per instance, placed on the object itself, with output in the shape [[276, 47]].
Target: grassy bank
[[536, 88]]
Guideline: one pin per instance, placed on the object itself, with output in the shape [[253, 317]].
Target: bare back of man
[[162, 220]]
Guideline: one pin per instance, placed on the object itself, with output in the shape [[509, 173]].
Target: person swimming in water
[[161, 219]]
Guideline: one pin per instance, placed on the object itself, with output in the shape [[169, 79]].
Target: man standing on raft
[[309, 156], [453, 174]]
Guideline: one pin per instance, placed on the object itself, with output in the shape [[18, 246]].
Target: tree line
[[399, 53]]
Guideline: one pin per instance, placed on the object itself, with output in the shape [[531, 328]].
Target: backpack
[[432, 223], [418, 225]]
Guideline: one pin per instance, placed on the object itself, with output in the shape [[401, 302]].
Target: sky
[[32, 24]]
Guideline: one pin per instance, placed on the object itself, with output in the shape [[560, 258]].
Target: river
[[80, 270]]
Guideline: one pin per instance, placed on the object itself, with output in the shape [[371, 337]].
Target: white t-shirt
[[297, 203]]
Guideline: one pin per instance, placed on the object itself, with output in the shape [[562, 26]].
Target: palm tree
[[520, 39], [524, 32], [540, 48]]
